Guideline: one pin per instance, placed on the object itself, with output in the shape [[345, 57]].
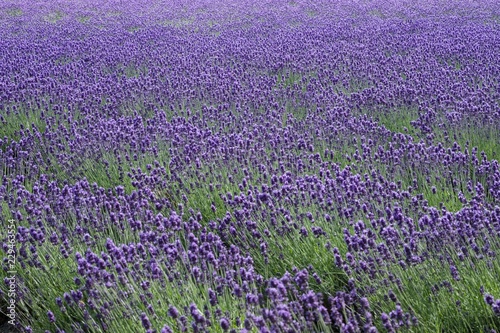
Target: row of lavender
[[241, 167]]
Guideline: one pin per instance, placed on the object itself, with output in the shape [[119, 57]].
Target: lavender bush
[[242, 166]]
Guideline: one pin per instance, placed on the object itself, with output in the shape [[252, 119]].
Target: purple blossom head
[[145, 321], [51, 316], [166, 329], [224, 324]]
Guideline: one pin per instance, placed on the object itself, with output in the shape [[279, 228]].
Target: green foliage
[[84, 19], [15, 12], [54, 17], [441, 303], [24, 118]]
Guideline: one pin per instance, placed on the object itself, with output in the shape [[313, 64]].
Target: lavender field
[[250, 166]]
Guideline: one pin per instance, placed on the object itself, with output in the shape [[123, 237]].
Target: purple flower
[[212, 297], [145, 321], [172, 312], [51, 316], [454, 273], [196, 314], [166, 329], [224, 324], [489, 299]]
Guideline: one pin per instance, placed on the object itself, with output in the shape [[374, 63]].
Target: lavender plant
[[297, 166]]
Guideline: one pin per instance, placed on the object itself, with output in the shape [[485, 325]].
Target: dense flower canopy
[[251, 166]]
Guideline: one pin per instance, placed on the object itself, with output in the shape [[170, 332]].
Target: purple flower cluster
[[495, 304]]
